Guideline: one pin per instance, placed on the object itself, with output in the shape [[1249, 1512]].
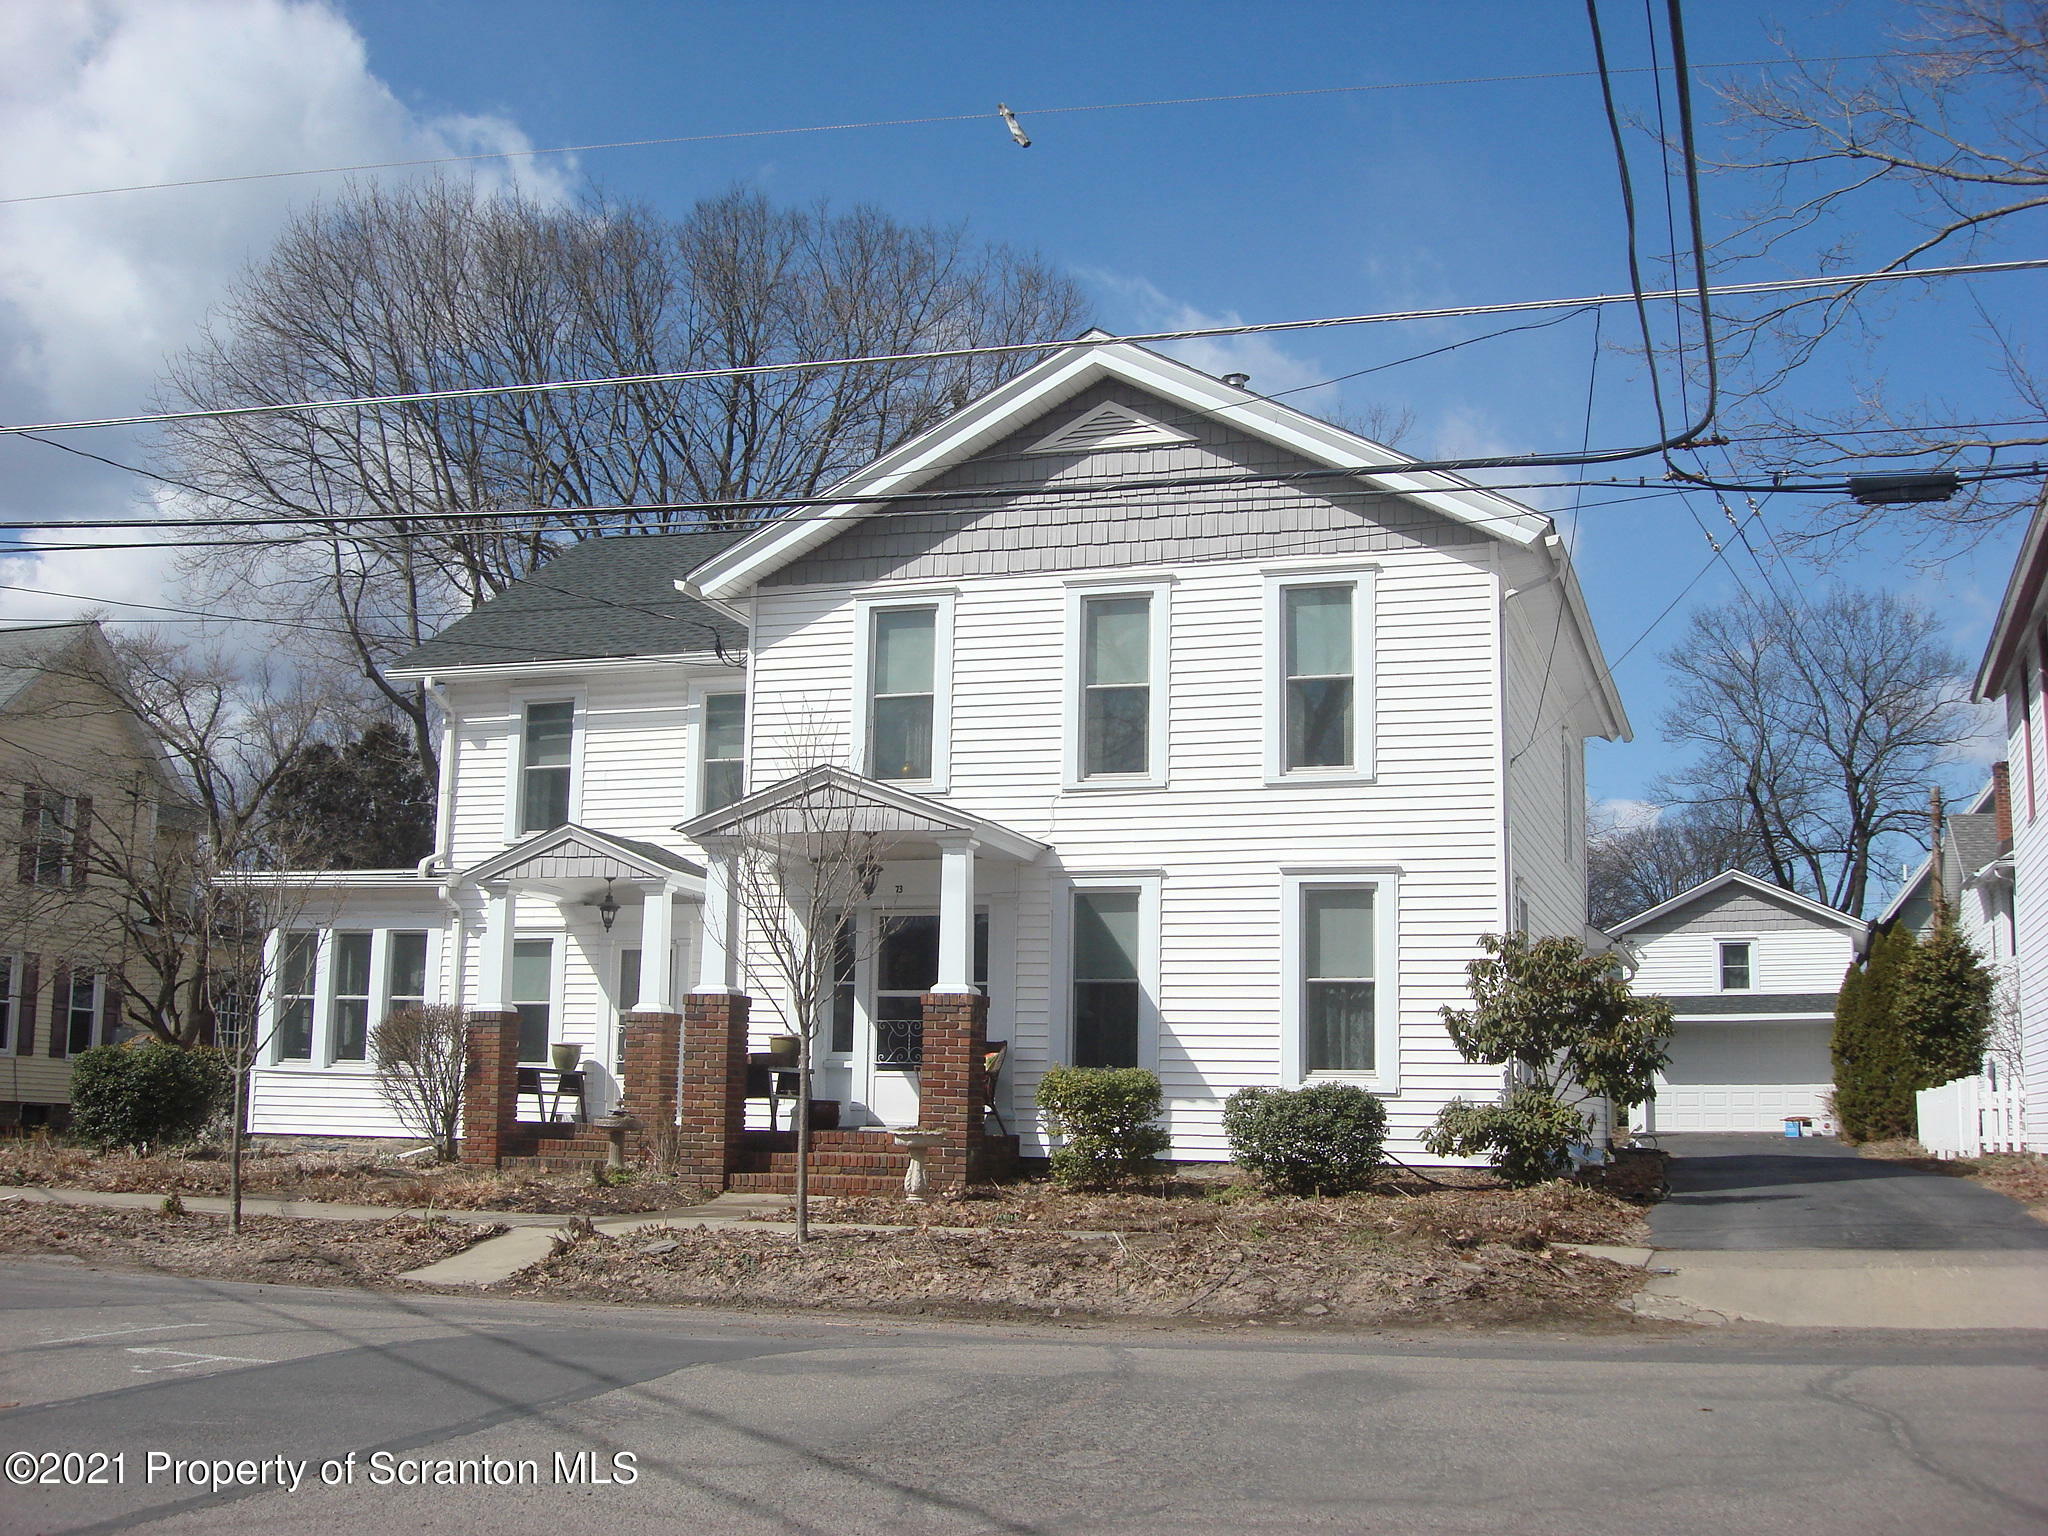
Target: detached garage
[[1751, 972]]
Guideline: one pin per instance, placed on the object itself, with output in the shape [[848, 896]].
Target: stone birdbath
[[615, 1126], [918, 1143]]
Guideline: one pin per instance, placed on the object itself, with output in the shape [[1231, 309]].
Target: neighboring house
[[1201, 747], [82, 785], [1751, 972]]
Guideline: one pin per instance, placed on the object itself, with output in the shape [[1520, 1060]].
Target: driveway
[[1758, 1192], [1806, 1233]]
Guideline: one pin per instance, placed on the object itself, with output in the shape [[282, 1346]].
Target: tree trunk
[[803, 1138], [239, 1114]]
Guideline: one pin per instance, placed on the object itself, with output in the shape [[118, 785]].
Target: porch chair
[[992, 1076]]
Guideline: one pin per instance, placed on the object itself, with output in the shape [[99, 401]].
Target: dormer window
[[545, 763]]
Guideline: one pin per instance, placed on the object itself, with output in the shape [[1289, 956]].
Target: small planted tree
[[420, 1062], [1569, 1031], [1325, 1139], [1105, 1117]]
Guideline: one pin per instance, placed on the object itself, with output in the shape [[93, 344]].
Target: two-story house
[[83, 785], [1206, 738], [1751, 971]]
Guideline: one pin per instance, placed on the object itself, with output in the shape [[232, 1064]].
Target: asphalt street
[[741, 1423], [1759, 1193]]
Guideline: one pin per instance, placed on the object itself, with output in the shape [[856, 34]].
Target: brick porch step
[[821, 1183]]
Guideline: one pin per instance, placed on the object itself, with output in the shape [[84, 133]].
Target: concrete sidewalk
[[1838, 1288]]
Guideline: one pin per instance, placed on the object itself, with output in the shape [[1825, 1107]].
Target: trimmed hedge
[[146, 1096], [1105, 1115], [1325, 1139]]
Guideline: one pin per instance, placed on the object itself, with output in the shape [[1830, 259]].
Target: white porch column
[[718, 948], [657, 945], [494, 963], [956, 915]]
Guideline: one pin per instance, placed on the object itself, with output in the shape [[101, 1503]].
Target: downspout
[[444, 790]]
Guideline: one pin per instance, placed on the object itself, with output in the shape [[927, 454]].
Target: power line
[[1069, 344], [890, 122]]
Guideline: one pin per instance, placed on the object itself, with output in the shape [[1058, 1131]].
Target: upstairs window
[[1116, 685], [725, 748], [53, 829], [545, 757], [1735, 966], [902, 692], [1321, 679]]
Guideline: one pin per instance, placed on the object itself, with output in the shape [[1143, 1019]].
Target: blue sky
[[1200, 213]]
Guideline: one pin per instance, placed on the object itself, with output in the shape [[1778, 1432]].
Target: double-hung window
[[348, 1007], [1116, 687], [902, 678], [405, 971], [723, 754], [1735, 965], [1338, 967], [546, 763], [1110, 960], [53, 837], [1320, 631], [902, 692], [298, 956], [10, 1001], [533, 995], [84, 1001]]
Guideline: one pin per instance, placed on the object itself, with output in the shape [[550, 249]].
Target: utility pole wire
[[1069, 344]]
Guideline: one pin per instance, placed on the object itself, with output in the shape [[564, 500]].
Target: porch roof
[[832, 799], [573, 852]]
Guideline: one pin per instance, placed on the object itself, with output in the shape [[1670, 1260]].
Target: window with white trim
[[547, 743], [84, 1008], [348, 1003], [1319, 637], [405, 970], [10, 1001], [1106, 965], [1337, 933], [533, 996], [722, 762], [1736, 965], [53, 837], [902, 692], [1116, 684], [298, 957]]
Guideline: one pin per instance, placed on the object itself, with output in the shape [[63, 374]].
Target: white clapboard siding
[[1218, 835], [1548, 699], [1689, 963], [2027, 752]]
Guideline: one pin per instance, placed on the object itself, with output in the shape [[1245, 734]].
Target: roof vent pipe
[[1237, 380]]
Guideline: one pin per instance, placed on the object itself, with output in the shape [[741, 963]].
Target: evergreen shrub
[[1325, 1139], [146, 1096], [1104, 1115]]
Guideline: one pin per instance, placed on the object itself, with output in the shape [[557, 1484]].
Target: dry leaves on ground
[[349, 1177], [269, 1248]]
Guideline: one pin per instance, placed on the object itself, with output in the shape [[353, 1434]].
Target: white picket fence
[[1972, 1116]]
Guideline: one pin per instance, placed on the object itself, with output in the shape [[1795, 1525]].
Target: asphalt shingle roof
[[1976, 840], [604, 597]]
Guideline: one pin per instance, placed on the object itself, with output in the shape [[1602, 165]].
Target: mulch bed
[[1475, 1255], [269, 1248], [347, 1177]]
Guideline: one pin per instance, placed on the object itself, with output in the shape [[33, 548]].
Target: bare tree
[[432, 287], [1632, 868], [1934, 152], [420, 1068], [1818, 728]]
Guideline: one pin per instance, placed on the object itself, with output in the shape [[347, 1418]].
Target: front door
[[888, 1015]]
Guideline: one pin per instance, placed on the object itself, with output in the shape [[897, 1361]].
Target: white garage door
[[1742, 1077]]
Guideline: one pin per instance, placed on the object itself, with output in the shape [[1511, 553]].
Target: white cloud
[[1273, 368], [97, 292], [1622, 815]]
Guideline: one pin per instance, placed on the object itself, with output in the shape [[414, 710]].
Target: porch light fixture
[[607, 908]]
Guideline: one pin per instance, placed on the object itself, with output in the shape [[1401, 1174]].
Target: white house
[[1210, 740], [1751, 972]]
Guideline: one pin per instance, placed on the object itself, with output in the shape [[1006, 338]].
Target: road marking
[[114, 1333], [195, 1359]]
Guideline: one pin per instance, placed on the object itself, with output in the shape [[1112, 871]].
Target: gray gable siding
[[1019, 536], [1732, 909]]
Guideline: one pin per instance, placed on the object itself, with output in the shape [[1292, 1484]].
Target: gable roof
[[738, 568], [602, 598], [1735, 877], [577, 852], [2023, 591], [27, 650], [828, 797]]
